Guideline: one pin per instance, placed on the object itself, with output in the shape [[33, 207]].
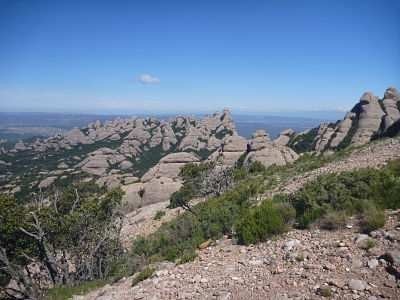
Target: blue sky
[[170, 56]]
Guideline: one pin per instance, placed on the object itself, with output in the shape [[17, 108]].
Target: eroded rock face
[[391, 108], [370, 118], [342, 130], [284, 137], [208, 133], [170, 166], [234, 147], [75, 137], [99, 161], [268, 153], [153, 191]]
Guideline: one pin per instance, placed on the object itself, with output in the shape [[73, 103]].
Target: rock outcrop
[[170, 165], [284, 137], [234, 147], [268, 153], [99, 161], [158, 184], [369, 119], [370, 115]]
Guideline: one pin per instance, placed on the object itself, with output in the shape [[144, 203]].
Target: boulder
[[357, 285], [62, 165], [45, 183], [284, 137], [125, 165], [20, 146]]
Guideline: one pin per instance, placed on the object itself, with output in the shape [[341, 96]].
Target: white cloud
[[148, 79]]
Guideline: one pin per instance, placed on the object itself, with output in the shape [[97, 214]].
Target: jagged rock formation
[[119, 152], [370, 115], [234, 147], [170, 165], [268, 153], [158, 184], [141, 155], [284, 137], [369, 119]]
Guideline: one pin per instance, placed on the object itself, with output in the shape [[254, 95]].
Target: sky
[[196, 56]]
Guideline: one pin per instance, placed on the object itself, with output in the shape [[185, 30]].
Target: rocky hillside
[[300, 264], [370, 118], [143, 156], [310, 264]]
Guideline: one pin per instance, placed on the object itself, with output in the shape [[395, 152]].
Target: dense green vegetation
[[357, 192], [260, 223], [207, 220], [303, 142]]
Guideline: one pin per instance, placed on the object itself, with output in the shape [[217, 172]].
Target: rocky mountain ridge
[[141, 155], [370, 118]]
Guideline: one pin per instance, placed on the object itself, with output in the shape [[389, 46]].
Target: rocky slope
[[310, 264], [369, 119]]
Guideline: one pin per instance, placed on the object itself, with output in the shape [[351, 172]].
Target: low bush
[[367, 244], [262, 222], [67, 292], [187, 256], [350, 192], [372, 219], [159, 215], [256, 167], [333, 220], [143, 275], [206, 220]]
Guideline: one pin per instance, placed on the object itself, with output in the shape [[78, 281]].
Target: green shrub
[[209, 220], [191, 170], [159, 215], [65, 292], [325, 291], [333, 220], [261, 222], [367, 244], [182, 197], [349, 192], [143, 275], [187, 256], [372, 219], [256, 167]]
